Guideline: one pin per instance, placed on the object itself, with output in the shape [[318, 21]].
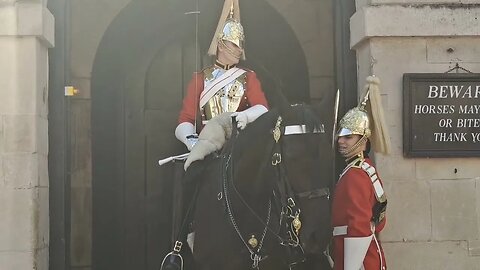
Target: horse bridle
[[290, 221], [290, 212]]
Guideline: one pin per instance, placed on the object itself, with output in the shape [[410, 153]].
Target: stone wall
[[434, 204], [26, 32]]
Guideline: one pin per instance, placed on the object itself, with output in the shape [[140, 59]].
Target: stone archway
[[132, 125]]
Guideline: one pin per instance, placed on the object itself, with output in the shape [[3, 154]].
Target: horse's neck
[[251, 178]]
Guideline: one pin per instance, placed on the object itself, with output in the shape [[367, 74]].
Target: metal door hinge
[[71, 91]]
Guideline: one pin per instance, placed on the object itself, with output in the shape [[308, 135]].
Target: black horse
[[253, 194]]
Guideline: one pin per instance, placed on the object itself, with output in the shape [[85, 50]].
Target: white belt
[[340, 230]]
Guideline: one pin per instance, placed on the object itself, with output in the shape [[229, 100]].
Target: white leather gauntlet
[[185, 132]]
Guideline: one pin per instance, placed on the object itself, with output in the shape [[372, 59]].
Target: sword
[[334, 131], [335, 118], [177, 157]]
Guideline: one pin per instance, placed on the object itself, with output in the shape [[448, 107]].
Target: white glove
[[241, 118], [249, 115], [185, 132]]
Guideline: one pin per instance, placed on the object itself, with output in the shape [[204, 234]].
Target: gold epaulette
[[208, 72], [355, 163]]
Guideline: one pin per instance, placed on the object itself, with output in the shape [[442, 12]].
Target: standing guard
[[222, 87], [359, 202]]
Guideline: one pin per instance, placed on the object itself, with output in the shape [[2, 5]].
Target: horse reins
[[252, 244]]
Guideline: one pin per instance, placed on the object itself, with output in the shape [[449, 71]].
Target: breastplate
[[226, 99]]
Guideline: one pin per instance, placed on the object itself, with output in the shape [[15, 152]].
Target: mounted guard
[[217, 89]]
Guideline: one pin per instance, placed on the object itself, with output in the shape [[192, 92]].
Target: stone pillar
[[26, 33], [433, 217]]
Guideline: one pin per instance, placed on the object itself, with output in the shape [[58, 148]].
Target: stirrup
[[173, 260]]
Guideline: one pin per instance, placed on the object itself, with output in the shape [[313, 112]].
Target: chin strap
[[352, 151]]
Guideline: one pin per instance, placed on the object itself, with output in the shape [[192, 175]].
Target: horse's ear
[[311, 116]]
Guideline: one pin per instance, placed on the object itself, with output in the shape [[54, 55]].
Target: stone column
[[26, 33], [434, 204]]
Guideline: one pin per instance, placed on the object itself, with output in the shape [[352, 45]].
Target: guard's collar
[[224, 66], [360, 156]]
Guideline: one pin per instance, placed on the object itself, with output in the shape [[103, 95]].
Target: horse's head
[[295, 157], [307, 172]]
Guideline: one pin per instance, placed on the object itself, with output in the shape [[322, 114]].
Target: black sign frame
[[409, 80]]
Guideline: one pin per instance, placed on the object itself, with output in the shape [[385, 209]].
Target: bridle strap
[[290, 223], [313, 194]]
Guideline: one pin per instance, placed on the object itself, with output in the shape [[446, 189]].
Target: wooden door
[[154, 92]]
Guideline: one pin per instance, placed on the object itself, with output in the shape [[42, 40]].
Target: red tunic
[[253, 96], [352, 206]]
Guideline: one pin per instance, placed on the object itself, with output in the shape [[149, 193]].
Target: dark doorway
[[138, 82]]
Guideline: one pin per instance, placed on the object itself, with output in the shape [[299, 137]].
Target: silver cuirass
[[228, 98]]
